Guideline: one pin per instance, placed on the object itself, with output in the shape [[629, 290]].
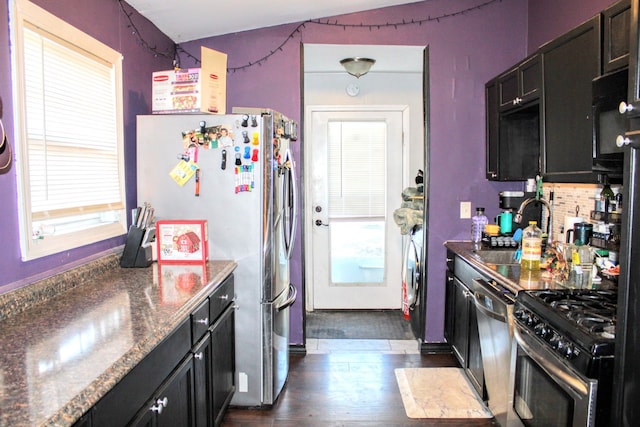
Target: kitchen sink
[[497, 256]]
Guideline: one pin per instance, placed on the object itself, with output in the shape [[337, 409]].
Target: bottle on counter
[[531, 247], [478, 222], [607, 196]]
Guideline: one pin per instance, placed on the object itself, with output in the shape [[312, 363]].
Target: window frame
[[22, 14]]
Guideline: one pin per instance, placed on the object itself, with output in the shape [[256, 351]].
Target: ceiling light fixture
[[357, 66]]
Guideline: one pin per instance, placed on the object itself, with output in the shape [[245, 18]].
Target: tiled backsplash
[[568, 197]]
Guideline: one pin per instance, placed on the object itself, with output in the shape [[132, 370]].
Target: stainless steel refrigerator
[[626, 389], [244, 186]]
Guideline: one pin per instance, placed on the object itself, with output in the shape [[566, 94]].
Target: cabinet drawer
[[200, 321], [221, 298]]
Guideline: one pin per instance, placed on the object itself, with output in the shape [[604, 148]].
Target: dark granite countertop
[[66, 341], [509, 275]]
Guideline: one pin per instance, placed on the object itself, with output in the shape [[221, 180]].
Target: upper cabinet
[[615, 38], [571, 62], [520, 85], [541, 114], [513, 122]]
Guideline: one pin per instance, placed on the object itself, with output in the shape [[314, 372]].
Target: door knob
[[319, 223]]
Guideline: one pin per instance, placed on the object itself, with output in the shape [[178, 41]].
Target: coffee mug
[[505, 221]]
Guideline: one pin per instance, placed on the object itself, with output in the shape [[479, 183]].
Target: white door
[[355, 184]]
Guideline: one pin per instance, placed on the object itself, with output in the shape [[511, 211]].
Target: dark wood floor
[[345, 389]]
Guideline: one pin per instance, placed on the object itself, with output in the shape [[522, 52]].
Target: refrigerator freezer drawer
[[276, 344]]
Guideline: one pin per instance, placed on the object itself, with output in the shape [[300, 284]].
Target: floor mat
[[439, 393], [358, 324]]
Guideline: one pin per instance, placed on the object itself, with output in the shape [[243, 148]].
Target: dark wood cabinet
[[223, 363], [461, 329], [521, 84], [513, 122], [187, 380], [203, 377], [570, 64], [173, 403], [616, 21], [492, 113]]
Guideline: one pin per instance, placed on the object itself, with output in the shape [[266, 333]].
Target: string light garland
[[143, 42], [179, 50]]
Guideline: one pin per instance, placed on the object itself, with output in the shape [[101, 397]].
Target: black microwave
[[608, 91]]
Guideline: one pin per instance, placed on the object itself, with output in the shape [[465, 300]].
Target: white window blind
[[71, 142], [71, 131], [357, 169]]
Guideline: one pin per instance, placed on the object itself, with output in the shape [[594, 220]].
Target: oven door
[[547, 392]]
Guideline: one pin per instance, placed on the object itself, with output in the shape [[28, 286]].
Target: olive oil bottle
[[531, 247]]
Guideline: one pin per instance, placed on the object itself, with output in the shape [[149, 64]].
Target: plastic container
[[478, 222], [531, 247]]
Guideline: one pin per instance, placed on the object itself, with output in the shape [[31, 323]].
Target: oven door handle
[[559, 375]]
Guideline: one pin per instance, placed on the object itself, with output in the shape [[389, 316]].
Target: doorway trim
[[308, 209]]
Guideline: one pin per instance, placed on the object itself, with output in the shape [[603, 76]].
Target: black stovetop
[[585, 317]]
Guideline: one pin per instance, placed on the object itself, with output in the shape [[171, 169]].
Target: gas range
[[565, 354], [577, 324]]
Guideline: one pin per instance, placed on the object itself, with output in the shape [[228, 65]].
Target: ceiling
[[187, 20]]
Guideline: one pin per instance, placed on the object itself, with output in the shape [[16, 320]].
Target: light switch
[[465, 210]]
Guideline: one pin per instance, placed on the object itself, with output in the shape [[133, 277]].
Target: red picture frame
[[182, 241]]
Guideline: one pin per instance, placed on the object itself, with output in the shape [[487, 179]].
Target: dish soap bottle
[[478, 222], [531, 247]]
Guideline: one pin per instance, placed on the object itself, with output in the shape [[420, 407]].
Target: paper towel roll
[[569, 222]]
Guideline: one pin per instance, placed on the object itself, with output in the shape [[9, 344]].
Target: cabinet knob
[[160, 405], [631, 139], [631, 109], [517, 101], [198, 355], [204, 321], [224, 297]]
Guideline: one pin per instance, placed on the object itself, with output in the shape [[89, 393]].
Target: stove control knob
[[569, 351], [541, 330], [554, 340]]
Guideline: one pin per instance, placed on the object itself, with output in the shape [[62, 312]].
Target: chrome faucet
[[523, 206]]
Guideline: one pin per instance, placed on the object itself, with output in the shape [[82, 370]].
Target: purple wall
[[547, 19], [103, 20]]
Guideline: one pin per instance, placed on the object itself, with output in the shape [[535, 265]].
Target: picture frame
[[182, 241]]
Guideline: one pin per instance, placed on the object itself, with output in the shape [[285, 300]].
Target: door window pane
[[357, 201]]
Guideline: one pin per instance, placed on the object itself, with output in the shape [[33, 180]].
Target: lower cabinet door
[[223, 362], [203, 381], [173, 403]]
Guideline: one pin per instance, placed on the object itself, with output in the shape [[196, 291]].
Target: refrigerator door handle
[[293, 293], [293, 223]]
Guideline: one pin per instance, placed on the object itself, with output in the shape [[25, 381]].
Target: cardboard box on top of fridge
[[192, 90]]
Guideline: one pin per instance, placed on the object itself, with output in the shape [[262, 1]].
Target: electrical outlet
[[465, 210]]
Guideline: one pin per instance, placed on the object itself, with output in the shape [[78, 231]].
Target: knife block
[[136, 254]]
